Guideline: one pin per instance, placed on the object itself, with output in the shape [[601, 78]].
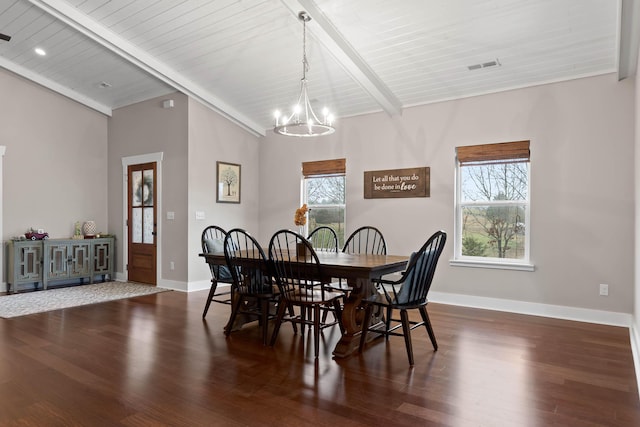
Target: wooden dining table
[[357, 270]]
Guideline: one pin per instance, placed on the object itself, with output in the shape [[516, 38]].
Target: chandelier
[[303, 121]]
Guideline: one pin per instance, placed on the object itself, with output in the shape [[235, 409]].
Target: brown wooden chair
[[300, 281], [212, 241], [253, 288], [407, 293]]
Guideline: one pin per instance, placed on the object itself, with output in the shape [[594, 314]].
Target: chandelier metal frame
[[303, 121]]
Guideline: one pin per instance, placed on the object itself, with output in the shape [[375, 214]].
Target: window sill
[[490, 264]]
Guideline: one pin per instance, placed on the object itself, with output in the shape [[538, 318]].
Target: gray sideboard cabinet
[[58, 260], [66, 260], [24, 264], [102, 257]]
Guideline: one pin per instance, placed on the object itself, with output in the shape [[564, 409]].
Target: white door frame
[[136, 160]]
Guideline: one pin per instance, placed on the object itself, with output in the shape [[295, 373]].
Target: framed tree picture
[[228, 185]]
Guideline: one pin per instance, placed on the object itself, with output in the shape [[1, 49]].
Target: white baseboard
[[200, 285], [535, 309], [174, 285], [205, 285]]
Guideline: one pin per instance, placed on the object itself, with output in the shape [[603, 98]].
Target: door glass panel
[[136, 225], [148, 225], [136, 180], [147, 187]]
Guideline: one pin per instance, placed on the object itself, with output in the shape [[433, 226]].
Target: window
[[324, 194], [492, 205]]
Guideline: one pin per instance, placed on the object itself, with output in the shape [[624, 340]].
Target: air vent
[[487, 64], [5, 37]]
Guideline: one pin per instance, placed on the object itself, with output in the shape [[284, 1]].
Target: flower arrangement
[[300, 218]]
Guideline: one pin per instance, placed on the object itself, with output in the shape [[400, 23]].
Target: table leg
[[241, 317], [352, 318]]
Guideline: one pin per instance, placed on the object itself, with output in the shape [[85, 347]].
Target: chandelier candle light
[[303, 121]]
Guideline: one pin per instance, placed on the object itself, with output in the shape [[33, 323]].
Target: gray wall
[[145, 128], [55, 165], [582, 139], [582, 189], [192, 138], [213, 138]]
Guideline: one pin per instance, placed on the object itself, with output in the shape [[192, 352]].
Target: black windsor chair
[[407, 293], [253, 290], [212, 241], [324, 238], [365, 240], [300, 281]]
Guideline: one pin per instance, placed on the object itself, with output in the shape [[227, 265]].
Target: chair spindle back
[[366, 240], [324, 239]]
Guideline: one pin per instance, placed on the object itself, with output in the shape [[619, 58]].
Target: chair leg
[[276, 327], [212, 292], [325, 312], [292, 313], [406, 330], [237, 303], [388, 322], [427, 324], [265, 319], [316, 328], [365, 326]]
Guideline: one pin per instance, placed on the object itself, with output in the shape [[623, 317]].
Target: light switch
[[200, 215], [171, 215]]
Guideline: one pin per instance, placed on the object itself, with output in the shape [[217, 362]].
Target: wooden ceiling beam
[[336, 44]]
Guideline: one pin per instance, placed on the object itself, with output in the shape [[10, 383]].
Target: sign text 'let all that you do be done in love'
[[396, 183]]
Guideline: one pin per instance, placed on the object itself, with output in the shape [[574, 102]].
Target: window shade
[[492, 153], [324, 167]]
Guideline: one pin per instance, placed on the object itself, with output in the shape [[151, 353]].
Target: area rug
[[55, 299]]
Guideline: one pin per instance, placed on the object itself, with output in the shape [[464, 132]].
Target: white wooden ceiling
[[243, 57]]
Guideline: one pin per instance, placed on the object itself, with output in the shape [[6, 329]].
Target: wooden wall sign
[[396, 183]]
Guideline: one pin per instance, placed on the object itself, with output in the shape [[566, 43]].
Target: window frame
[[323, 169], [459, 204]]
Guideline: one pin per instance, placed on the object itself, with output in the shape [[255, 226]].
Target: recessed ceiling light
[[40, 51]]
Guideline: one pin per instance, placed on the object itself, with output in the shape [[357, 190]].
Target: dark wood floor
[[152, 361]]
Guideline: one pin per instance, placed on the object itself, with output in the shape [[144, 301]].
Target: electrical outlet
[[172, 265], [604, 289]]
